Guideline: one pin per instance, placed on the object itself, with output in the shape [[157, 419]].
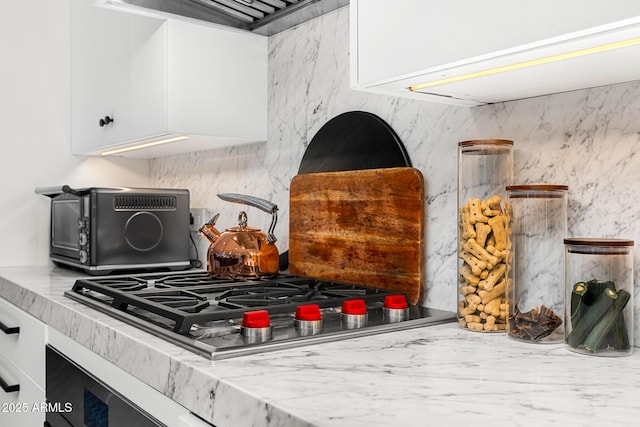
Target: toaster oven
[[102, 230]]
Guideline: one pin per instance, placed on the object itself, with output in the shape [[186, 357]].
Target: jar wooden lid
[[485, 142], [485, 146], [598, 246], [536, 191], [537, 187]]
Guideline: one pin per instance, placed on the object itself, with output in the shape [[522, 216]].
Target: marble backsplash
[[585, 139]]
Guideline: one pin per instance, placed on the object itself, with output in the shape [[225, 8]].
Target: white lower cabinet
[[24, 342], [24, 407], [23, 376], [22, 367]]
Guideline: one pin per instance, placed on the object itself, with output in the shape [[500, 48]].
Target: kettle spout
[[209, 231]]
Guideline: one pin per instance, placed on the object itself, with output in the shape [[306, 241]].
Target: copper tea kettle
[[242, 250]]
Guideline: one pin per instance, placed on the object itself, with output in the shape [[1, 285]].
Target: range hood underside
[[265, 17]]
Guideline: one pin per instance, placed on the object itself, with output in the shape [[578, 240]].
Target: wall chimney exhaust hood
[[265, 17]]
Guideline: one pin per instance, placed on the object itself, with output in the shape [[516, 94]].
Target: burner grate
[[185, 300]]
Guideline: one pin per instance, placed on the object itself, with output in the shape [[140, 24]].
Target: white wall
[[35, 128]]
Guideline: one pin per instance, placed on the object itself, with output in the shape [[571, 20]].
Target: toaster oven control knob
[[256, 326], [82, 239], [395, 309], [308, 320], [83, 257], [354, 314]]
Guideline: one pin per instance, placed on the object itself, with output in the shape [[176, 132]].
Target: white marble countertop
[[437, 375]]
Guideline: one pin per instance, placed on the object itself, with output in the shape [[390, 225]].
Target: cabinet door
[[118, 69], [218, 82], [394, 40], [22, 340], [23, 407]]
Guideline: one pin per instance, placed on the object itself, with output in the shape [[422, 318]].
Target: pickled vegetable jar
[[599, 296], [485, 168], [536, 297]]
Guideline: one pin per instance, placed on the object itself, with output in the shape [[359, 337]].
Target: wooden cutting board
[[364, 227]]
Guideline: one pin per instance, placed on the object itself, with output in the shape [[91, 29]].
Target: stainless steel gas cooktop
[[221, 317]]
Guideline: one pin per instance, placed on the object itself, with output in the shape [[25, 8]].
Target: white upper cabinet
[[140, 80], [472, 53]]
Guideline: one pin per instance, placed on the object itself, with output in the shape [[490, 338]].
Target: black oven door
[[76, 398], [69, 223], [66, 216]]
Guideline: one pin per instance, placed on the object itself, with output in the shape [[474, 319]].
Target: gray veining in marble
[[439, 375], [585, 139]]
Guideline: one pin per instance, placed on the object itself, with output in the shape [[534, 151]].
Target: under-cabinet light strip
[[144, 145], [520, 65]]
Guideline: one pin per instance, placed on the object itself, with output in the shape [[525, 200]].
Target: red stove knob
[[308, 312], [256, 326], [354, 314], [395, 309], [354, 306], [395, 302], [256, 319], [308, 320]]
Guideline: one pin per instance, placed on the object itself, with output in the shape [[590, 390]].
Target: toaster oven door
[[67, 230]]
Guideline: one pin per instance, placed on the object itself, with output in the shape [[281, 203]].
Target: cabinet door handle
[[9, 330], [105, 121], [9, 388]]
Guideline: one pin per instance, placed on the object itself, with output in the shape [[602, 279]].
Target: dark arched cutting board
[[354, 140]]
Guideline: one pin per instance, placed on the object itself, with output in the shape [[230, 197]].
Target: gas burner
[[212, 316], [259, 296]]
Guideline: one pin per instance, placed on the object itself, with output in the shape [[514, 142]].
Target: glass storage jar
[[485, 168], [599, 296], [536, 297]]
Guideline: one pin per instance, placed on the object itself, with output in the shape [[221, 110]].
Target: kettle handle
[[259, 203], [256, 202]]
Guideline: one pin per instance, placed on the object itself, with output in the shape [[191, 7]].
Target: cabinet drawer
[[22, 408], [24, 340]]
